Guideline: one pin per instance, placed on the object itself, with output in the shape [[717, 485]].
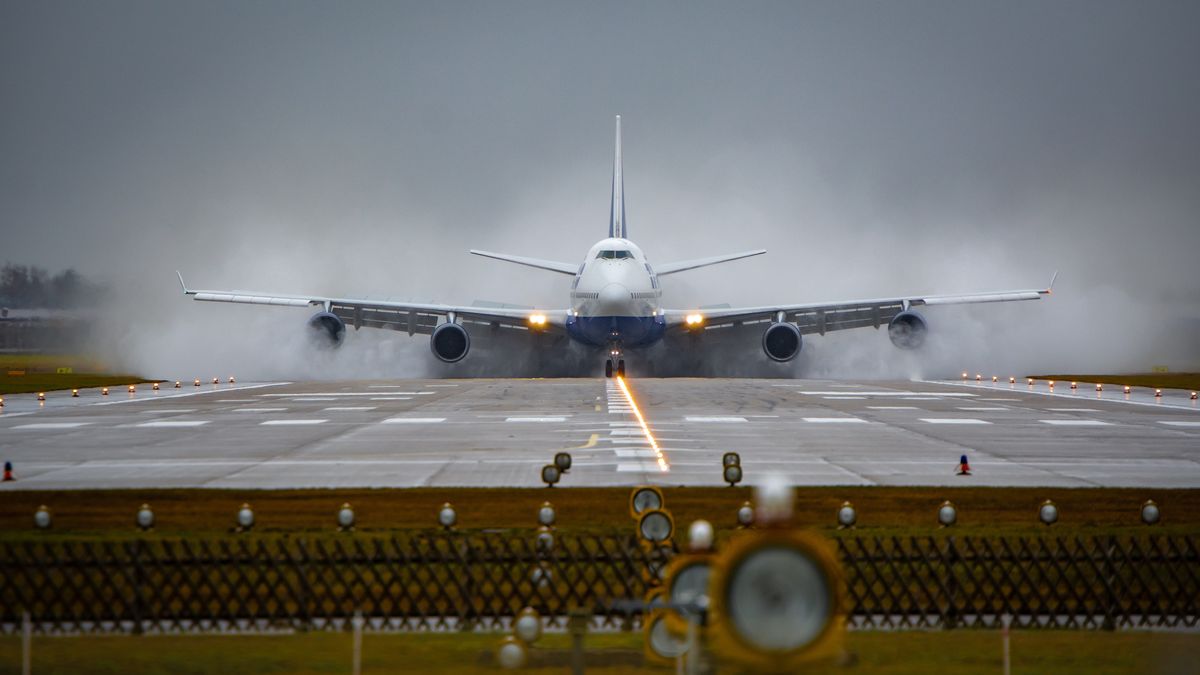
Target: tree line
[[31, 287]]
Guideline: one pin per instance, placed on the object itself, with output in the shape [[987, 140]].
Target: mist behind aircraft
[[363, 150]]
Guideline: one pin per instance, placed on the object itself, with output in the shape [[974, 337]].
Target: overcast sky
[[873, 148]]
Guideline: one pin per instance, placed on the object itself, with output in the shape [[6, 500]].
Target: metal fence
[[452, 581]]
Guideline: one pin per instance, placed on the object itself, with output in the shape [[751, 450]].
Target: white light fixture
[[563, 461], [1150, 513], [345, 518], [245, 518], [527, 626], [733, 474], [1048, 513], [546, 515], [846, 516], [550, 475], [745, 515], [644, 498], [41, 517], [700, 536], [774, 499], [947, 515], [447, 517], [145, 518], [512, 653], [656, 526], [731, 458]]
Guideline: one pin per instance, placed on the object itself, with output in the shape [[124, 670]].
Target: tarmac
[[500, 432]]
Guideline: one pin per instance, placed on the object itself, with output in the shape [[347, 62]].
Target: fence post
[[951, 557], [302, 589], [1110, 594], [26, 644], [1005, 621], [138, 579], [356, 658]]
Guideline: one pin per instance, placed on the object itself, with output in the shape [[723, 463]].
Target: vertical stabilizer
[[616, 217]]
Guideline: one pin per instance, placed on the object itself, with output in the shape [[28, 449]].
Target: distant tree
[[23, 286]]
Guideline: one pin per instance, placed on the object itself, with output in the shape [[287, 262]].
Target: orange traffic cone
[[964, 469], [8, 474]]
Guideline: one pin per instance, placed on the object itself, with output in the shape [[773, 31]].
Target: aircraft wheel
[[608, 369], [621, 367]]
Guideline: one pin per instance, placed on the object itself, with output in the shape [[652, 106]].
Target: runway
[[499, 432]]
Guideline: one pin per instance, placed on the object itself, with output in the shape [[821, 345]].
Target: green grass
[[1190, 381], [884, 653], [39, 372], [881, 510]]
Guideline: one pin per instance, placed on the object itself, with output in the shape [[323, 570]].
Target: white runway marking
[[1072, 409], [16, 414], [921, 398], [622, 424], [351, 408], [892, 407], [843, 398], [414, 420], [169, 424], [998, 408], [645, 453], [235, 400], [999, 399], [391, 398], [625, 432], [535, 419], [1075, 423], [52, 425], [165, 411], [638, 467], [835, 420], [313, 400], [352, 393], [953, 420], [889, 393], [714, 418], [260, 410], [291, 423], [1173, 423]]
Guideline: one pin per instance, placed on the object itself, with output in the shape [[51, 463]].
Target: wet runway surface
[[493, 432]]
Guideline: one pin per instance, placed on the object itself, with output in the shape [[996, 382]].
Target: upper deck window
[[614, 255]]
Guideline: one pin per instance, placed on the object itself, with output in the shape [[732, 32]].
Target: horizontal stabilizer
[[682, 265], [552, 265]]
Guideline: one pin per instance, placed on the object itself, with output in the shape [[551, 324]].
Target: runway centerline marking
[[1076, 423], [260, 410], [350, 408], [413, 420], [892, 407], [51, 425], [948, 394], [835, 420], [535, 419], [984, 408], [169, 424], [391, 398], [291, 423], [1072, 409], [1177, 423], [351, 393], [953, 420], [714, 418]]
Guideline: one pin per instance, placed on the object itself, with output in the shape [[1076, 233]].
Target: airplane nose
[[614, 299]]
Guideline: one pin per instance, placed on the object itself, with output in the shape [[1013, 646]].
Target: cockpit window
[[615, 255]]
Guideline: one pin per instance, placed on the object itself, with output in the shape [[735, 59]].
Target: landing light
[[537, 320], [694, 320]]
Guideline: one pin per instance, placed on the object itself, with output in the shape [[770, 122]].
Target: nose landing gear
[[619, 369]]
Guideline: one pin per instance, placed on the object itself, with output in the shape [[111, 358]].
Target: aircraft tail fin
[[616, 216]]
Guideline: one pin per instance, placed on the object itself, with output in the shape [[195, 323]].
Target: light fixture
[[546, 515], [144, 518], [1158, 393], [731, 458], [1048, 513], [245, 518], [197, 382], [41, 517], [563, 461], [1099, 386], [656, 526], [154, 386], [1074, 385], [345, 518], [774, 498], [512, 653], [1012, 380], [947, 515], [694, 320], [700, 536], [41, 396], [232, 380], [1150, 513], [732, 474], [537, 321], [527, 626], [995, 379], [447, 517], [550, 475], [644, 498], [1127, 389], [745, 515], [216, 380], [544, 542], [104, 391], [132, 388], [847, 516], [74, 393], [178, 384]]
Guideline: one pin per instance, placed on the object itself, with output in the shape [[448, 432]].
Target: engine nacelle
[[782, 341], [326, 330], [907, 330], [450, 342]]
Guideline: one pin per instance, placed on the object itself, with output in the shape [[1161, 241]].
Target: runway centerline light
[[1048, 513], [447, 517]]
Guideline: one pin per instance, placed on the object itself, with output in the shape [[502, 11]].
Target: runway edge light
[[1048, 513], [144, 518], [1150, 512]]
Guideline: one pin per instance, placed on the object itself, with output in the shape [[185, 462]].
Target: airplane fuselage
[[615, 298]]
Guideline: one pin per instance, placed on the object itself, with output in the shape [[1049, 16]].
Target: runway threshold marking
[[662, 464]]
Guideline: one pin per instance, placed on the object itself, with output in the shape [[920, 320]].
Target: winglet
[[183, 285], [1053, 277]]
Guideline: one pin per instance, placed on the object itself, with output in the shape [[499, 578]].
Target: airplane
[[615, 306]]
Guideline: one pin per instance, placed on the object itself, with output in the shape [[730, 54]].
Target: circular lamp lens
[[947, 514], [245, 517], [345, 517], [662, 642], [1150, 513], [563, 461], [733, 474], [546, 515], [145, 517], [745, 514], [41, 518], [545, 540], [527, 626], [778, 599], [730, 458], [689, 590], [549, 475], [655, 526], [846, 515], [446, 516], [645, 499], [512, 654], [1048, 513]]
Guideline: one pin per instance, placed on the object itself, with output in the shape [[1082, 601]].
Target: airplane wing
[[411, 317], [823, 317], [684, 265]]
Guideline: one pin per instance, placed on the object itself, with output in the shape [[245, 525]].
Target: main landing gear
[[620, 368]]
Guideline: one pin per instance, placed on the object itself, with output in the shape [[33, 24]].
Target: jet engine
[[782, 341], [907, 330], [450, 342], [326, 330]]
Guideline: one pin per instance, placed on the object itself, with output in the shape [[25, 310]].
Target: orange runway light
[[1099, 387], [1126, 389], [663, 465], [1012, 380], [104, 391]]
